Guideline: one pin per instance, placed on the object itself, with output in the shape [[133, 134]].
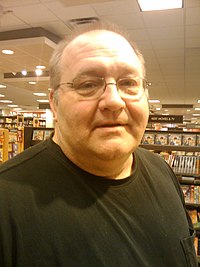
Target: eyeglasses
[[89, 87]]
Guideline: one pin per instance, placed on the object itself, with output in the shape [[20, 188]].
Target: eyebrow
[[100, 72]]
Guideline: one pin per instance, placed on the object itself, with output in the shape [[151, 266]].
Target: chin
[[114, 151]]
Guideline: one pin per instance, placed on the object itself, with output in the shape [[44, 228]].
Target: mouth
[[111, 125]]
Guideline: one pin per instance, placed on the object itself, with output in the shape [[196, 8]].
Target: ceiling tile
[[116, 7], [192, 15], [66, 13], [41, 13], [166, 32], [127, 21], [165, 18]]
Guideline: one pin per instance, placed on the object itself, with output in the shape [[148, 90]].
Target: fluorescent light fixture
[[158, 108], [40, 67], [6, 101], [2, 86], [7, 51], [154, 101], [197, 109], [2, 95], [150, 5], [43, 101], [32, 82], [195, 114], [13, 106], [40, 94], [17, 109], [188, 109], [198, 101]]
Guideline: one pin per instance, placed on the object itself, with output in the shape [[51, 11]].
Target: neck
[[115, 168]]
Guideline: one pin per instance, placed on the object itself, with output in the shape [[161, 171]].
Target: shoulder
[[23, 158]]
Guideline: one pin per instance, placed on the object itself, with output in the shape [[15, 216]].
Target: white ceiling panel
[[41, 13], [11, 3], [116, 7], [66, 13], [166, 33], [163, 18], [127, 20], [168, 44], [192, 15], [9, 20]]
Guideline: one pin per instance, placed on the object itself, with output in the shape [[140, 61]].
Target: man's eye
[[88, 85], [127, 83]]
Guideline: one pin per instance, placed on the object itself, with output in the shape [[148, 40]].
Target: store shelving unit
[[190, 180]]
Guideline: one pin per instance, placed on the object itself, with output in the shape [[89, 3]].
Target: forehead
[[100, 46]]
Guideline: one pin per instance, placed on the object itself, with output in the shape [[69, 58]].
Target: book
[[189, 139], [38, 135]]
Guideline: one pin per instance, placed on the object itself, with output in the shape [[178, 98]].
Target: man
[[89, 196]]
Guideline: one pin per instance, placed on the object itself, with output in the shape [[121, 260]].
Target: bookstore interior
[[169, 39]]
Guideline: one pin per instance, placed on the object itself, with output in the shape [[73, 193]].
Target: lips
[[110, 124]]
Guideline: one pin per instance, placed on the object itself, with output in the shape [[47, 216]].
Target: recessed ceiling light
[[197, 109], [38, 72], [188, 109], [24, 72], [40, 67], [43, 101], [198, 101], [7, 51], [158, 108], [40, 94], [150, 5], [195, 114], [2, 95], [2, 86]]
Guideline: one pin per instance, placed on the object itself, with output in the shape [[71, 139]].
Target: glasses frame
[[124, 96]]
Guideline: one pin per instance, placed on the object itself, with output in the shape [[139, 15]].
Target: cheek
[[139, 114], [75, 114]]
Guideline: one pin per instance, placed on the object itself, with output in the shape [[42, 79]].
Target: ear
[[53, 103]]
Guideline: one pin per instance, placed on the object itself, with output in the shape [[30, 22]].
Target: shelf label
[[166, 118]]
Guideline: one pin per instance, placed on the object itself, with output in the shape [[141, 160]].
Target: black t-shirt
[[53, 214]]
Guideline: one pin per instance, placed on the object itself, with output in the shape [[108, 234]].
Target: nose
[[110, 99]]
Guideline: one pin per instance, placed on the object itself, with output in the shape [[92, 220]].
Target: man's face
[[108, 127]]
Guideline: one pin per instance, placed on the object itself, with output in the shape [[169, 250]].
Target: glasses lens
[[130, 87], [88, 86]]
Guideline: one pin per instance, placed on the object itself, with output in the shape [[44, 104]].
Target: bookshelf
[[181, 150], [34, 135], [4, 137]]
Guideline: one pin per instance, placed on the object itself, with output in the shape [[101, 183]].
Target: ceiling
[[169, 41]]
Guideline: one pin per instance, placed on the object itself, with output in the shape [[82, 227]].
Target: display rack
[[184, 153]]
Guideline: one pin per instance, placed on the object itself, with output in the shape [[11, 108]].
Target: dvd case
[[161, 139], [148, 138], [175, 139], [189, 139]]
